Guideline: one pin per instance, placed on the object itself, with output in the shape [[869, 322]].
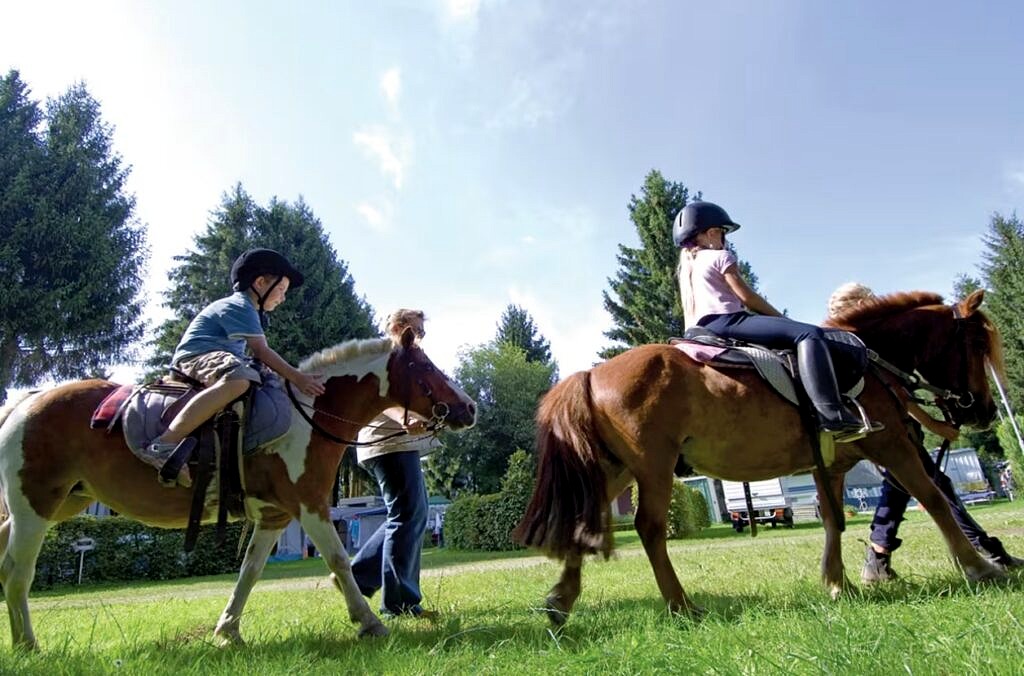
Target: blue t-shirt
[[222, 325]]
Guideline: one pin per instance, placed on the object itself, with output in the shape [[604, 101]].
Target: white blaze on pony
[[52, 466]]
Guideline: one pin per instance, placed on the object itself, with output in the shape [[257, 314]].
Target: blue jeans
[[892, 504], [390, 558]]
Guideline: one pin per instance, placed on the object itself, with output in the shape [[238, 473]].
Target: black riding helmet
[[257, 262], [698, 217]]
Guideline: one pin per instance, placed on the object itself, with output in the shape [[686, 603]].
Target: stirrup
[[867, 427]]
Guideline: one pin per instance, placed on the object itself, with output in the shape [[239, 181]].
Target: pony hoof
[[987, 573], [556, 615], [227, 639], [690, 611], [374, 630]]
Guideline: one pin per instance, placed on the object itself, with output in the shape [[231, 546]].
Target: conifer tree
[[517, 327], [1003, 270], [644, 300], [321, 313], [71, 250]]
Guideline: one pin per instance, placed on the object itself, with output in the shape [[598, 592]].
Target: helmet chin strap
[[264, 317]]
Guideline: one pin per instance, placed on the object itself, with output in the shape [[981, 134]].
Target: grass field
[[767, 614]]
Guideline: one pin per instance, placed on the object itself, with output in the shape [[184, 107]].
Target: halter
[[438, 411]]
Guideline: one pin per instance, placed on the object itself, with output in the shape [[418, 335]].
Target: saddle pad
[[106, 412], [146, 416]]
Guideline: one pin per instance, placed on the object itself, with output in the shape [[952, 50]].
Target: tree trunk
[[8, 353]]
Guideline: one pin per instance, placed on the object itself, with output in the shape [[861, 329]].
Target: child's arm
[[751, 299], [310, 384]]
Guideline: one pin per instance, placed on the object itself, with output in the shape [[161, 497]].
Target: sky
[[463, 155]]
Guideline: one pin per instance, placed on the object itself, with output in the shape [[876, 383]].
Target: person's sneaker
[[994, 552], [157, 453], [877, 567]]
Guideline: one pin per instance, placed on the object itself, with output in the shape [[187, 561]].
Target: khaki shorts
[[211, 367]]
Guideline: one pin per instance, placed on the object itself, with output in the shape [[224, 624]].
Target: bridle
[[439, 409], [914, 381]]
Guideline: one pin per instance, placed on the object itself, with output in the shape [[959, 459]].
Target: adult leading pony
[[633, 416], [52, 466]]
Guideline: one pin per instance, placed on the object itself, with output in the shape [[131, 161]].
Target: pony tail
[[568, 512]]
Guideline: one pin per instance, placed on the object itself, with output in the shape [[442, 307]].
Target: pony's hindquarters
[[568, 513]]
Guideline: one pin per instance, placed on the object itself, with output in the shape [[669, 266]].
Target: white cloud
[[390, 152], [377, 216], [1016, 177], [461, 10], [391, 87]]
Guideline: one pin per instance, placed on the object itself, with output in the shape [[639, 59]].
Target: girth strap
[[200, 484]]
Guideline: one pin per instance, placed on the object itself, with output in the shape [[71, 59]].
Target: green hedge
[[129, 550], [687, 511], [485, 522]]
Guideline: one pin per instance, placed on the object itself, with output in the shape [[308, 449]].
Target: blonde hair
[[400, 320], [848, 296]]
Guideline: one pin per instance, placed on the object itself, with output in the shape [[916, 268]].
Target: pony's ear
[[408, 338], [968, 306]]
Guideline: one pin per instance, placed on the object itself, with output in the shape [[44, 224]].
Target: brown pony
[[52, 466], [633, 416]]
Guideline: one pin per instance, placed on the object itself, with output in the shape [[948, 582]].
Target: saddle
[[778, 367], [258, 418]]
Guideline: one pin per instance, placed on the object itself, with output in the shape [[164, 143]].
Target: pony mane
[[345, 352], [882, 307], [870, 310]]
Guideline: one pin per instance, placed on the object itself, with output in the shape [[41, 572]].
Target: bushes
[[128, 550], [484, 522], [687, 511]]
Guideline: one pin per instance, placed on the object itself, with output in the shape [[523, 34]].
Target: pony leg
[[256, 553], [327, 542], [563, 595], [17, 570], [908, 470], [655, 494], [833, 575]]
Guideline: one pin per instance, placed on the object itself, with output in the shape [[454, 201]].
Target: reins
[[433, 426]]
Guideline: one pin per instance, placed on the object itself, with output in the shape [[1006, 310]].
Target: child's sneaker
[[157, 454]]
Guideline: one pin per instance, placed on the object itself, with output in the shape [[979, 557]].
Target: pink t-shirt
[[702, 284]]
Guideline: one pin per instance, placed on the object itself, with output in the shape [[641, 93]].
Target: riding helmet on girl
[[698, 217]]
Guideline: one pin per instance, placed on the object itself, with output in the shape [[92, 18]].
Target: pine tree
[[322, 312], [1003, 269], [644, 298], [517, 328], [71, 250]]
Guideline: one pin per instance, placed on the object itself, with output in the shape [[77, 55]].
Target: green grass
[[767, 613]]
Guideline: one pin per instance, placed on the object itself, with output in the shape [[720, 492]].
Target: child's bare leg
[[201, 408]]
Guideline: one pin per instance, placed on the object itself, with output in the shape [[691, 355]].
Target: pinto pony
[[633, 416], [52, 466]]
